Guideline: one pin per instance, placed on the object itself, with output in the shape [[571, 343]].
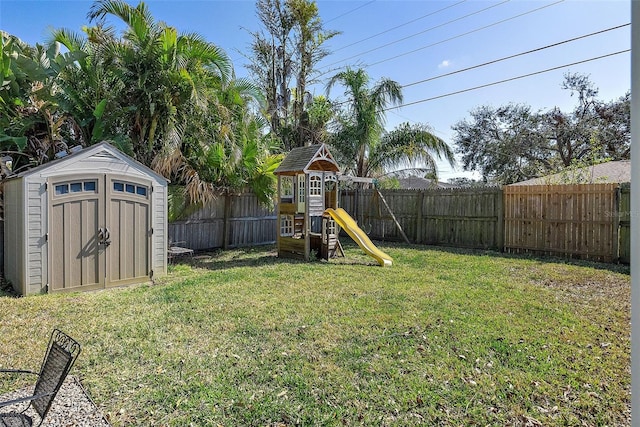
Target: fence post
[[615, 215], [226, 226], [500, 219], [418, 236]]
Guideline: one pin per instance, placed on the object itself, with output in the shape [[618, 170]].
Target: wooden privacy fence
[[226, 222], [589, 221], [578, 220], [469, 218]]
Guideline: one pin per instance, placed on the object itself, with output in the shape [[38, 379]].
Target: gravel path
[[71, 407]]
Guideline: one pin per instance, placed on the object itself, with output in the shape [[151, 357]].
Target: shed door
[[77, 211], [100, 233], [129, 223]]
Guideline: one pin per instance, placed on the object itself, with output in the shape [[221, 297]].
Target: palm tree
[[164, 75], [224, 149], [32, 128], [186, 116], [361, 126], [410, 150], [90, 87], [363, 146]]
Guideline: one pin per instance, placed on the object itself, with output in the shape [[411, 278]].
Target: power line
[[421, 32], [349, 11], [467, 33], [516, 55], [508, 80], [399, 26]]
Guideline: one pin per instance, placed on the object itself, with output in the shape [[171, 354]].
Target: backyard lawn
[[443, 337]]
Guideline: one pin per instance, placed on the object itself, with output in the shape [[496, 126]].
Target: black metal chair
[[61, 354]]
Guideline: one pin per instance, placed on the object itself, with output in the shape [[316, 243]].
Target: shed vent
[[104, 155]]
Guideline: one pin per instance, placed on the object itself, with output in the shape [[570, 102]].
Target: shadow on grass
[[219, 259], [257, 256], [6, 290]]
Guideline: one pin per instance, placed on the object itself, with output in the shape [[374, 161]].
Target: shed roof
[[304, 159], [102, 149]]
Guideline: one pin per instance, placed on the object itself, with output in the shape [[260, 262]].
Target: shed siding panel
[[14, 234], [36, 229], [159, 224]]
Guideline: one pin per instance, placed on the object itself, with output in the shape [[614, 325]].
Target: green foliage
[[361, 123], [168, 99], [287, 49], [580, 170], [505, 144], [362, 145], [179, 206], [410, 149], [32, 127], [158, 72], [513, 143]]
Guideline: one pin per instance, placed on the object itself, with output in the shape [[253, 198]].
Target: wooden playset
[[309, 218]]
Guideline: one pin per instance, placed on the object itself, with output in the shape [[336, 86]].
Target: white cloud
[[444, 64]]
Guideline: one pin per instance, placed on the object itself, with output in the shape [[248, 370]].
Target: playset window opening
[[286, 188], [315, 186], [286, 225]]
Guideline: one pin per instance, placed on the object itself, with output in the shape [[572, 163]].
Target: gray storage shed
[[93, 219]]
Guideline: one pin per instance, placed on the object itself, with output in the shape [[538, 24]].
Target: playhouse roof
[[309, 158]]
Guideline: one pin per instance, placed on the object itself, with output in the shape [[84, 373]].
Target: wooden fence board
[[565, 220], [454, 217], [230, 222]]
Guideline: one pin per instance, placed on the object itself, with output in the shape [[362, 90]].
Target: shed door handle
[[103, 236]]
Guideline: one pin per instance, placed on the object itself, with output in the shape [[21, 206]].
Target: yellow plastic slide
[[344, 220]]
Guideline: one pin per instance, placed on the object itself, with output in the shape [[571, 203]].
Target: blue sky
[[411, 41]]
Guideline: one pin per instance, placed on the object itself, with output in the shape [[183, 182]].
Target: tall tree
[[224, 149], [513, 143], [89, 87], [505, 144], [163, 74], [363, 146], [287, 49], [315, 120]]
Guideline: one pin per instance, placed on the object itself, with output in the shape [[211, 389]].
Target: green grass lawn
[[443, 337]]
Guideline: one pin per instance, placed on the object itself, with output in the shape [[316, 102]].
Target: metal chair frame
[[61, 354]]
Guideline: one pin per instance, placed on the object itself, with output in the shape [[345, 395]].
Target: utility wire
[[508, 57], [467, 33], [508, 80], [515, 55], [349, 11], [398, 26], [421, 32]]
